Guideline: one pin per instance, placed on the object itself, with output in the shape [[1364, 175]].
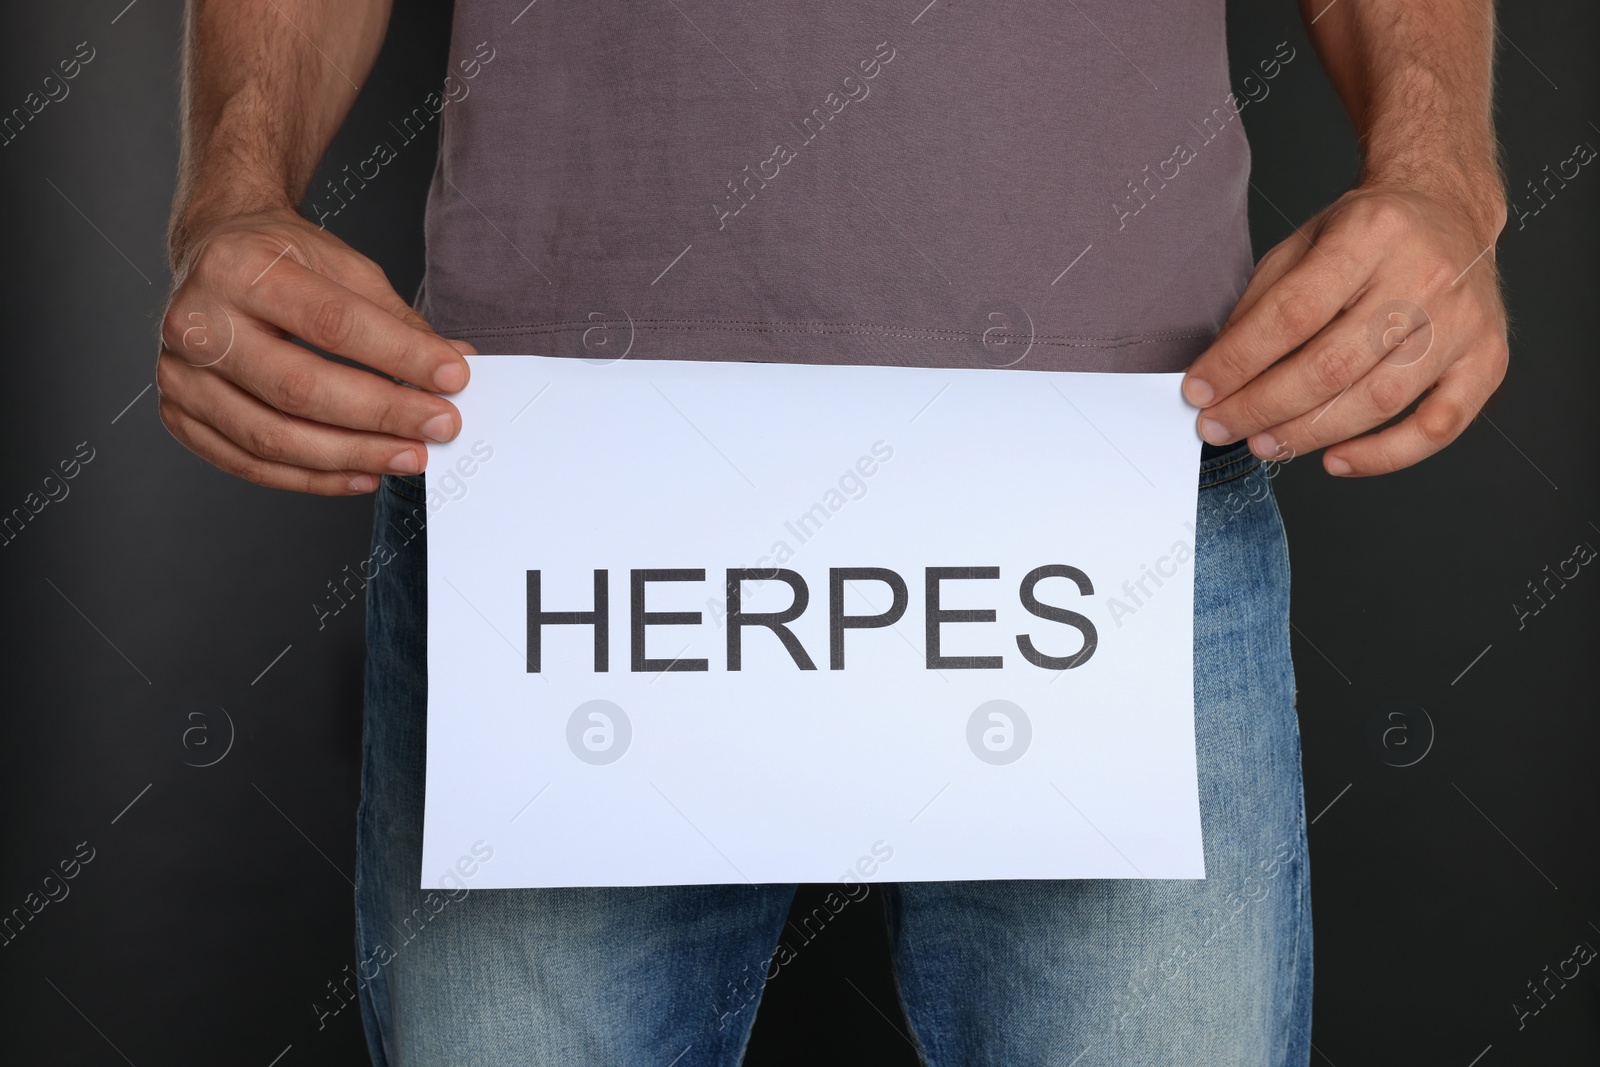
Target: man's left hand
[[1387, 294]]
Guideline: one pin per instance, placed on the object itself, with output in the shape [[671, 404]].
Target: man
[[1032, 186]]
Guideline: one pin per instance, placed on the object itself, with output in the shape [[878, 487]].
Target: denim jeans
[[1081, 973]]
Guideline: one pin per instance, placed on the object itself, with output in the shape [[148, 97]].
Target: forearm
[[266, 85], [1416, 77]]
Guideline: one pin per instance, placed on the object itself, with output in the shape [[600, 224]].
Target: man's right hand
[[240, 394]]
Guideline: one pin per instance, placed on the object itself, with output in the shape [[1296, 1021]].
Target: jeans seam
[[894, 975], [1302, 925], [761, 994], [1232, 477], [1227, 457], [393, 482], [372, 994]]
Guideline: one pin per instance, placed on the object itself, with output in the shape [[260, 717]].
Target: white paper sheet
[[885, 769]]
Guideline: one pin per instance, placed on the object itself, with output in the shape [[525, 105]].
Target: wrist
[[230, 171], [1475, 193], [1434, 137], [212, 204]]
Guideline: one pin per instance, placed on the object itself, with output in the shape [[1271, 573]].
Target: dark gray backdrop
[[145, 607]]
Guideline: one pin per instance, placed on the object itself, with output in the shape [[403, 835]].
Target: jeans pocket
[[409, 486]]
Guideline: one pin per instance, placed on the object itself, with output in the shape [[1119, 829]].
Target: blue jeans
[[1081, 973]]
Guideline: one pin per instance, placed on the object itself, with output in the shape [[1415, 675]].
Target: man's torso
[[1039, 185]]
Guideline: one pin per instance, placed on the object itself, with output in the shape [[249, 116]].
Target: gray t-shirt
[[1045, 184]]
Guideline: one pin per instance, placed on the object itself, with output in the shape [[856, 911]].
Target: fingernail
[[407, 462], [450, 378], [1198, 392], [439, 428], [364, 483], [1336, 466], [1263, 445], [463, 347], [1214, 431]]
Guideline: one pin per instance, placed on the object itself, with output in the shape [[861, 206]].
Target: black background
[[217, 906]]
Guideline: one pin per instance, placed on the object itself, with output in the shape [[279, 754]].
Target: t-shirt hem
[[836, 342]]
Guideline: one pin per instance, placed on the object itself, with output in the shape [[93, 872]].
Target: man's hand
[[237, 392], [1392, 291], [261, 103], [1386, 294]]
